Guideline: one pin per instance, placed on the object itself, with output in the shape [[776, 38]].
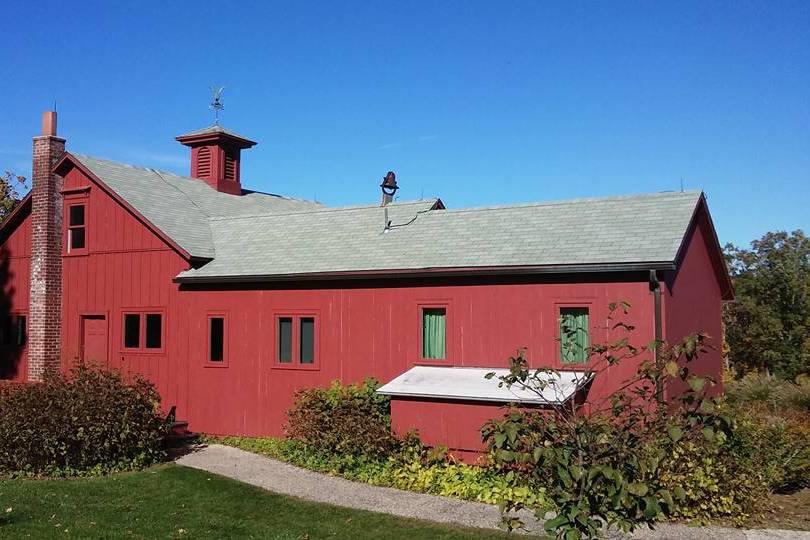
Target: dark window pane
[[217, 340], [285, 340], [21, 330], [77, 238], [77, 215], [153, 324], [7, 331], [307, 340], [132, 331]]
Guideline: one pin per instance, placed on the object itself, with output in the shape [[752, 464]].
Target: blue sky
[[477, 102]]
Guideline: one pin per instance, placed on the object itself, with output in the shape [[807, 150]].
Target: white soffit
[[470, 384]]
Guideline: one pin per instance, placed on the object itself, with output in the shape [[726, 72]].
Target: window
[[216, 339], [143, 331], [154, 324], [307, 352], [77, 238], [296, 341], [434, 333], [574, 339], [13, 331], [285, 331]]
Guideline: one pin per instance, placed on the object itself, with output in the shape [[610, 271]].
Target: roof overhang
[[471, 384], [596, 268]]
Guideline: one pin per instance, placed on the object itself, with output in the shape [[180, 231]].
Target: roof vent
[[215, 156]]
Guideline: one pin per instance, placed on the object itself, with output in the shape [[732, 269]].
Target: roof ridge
[[322, 209], [175, 175], [562, 202]]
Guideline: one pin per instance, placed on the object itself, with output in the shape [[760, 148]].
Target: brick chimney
[[215, 157], [45, 294]]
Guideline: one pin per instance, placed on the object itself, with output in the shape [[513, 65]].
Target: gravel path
[[287, 479]]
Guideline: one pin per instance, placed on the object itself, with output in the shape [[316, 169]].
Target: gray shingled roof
[[606, 231], [181, 206]]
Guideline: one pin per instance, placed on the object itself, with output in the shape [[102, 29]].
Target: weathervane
[[216, 103]]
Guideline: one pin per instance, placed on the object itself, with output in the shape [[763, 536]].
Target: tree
[[768, 326], [11, 185]]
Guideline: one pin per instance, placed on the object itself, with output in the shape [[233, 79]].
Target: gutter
[[655, 288], [433, 272]]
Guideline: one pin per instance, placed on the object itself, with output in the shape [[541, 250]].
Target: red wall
[[692, 303], [363, 328], [15, 272]]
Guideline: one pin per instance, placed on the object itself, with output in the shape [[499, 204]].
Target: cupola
[[215, 157]]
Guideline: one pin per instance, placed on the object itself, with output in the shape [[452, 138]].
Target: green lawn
[[170, 501]]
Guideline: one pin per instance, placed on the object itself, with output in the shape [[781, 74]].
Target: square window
[[132, 330], [154, 323], [574, 335], [434, 333], [77, 215], [216, 339], [285, 330]]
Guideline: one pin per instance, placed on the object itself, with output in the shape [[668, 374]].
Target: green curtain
[[573, 335], [433, 333]]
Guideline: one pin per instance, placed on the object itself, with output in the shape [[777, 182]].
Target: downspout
[[655, 288]]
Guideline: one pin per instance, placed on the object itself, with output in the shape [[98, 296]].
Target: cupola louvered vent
[[203, 162], [230, 166]]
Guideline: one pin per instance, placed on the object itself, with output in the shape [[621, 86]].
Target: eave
[[600, 268]]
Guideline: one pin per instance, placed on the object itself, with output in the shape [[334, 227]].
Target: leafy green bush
[[88, 422], [347, 420], [631, 459]]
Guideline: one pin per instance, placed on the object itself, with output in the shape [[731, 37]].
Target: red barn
[[230, 299]]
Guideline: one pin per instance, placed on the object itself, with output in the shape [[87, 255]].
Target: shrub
[[88, 422], [631, 459], [776, 393], [350, 420], [777, 442]]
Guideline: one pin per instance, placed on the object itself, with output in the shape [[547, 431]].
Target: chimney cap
[[49, 123]]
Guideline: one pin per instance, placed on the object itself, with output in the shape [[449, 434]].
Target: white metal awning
[[470, 384]]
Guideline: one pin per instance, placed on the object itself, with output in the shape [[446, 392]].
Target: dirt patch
[[790, 511]]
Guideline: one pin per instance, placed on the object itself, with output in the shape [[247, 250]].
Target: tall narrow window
[[434, 333], [307, 353], [22, 330], [154, 337], [574, 338], [285, 337], [216, 339], [76, 228], [132, 330]]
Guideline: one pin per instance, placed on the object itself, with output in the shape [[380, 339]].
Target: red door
[[94, 339]]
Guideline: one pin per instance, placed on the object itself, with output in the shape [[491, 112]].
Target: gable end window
[[434, 333], [143, 331], [296, 341], [574, 335], [77, 228]]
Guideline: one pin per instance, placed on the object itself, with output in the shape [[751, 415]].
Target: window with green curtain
[[434, 333], [574, 335]]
